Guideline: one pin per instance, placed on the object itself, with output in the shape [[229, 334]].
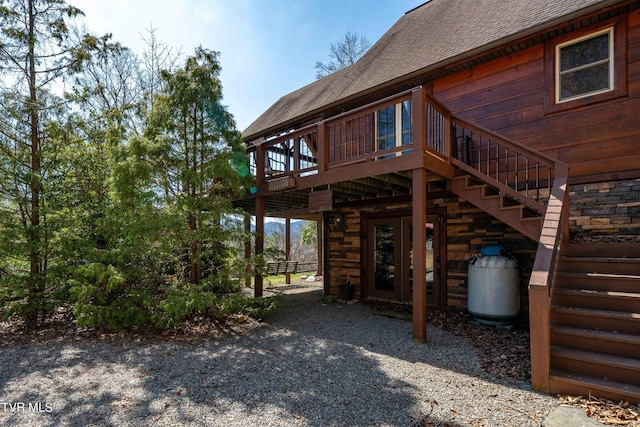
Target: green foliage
[[113, 195], [308, 233], [103, 296], [186, 301]]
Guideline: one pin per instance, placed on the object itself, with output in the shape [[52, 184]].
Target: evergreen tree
[[197, 158], [35, 54]]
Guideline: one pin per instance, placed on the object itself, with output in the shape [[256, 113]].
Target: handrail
[[522, 173], [542, 280]]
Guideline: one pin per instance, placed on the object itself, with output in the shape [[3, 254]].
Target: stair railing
[[518, 171], [542, 279], [536, 180]]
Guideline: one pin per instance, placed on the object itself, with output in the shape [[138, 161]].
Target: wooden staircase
[[595, 322], [527, 218], [584, 299]]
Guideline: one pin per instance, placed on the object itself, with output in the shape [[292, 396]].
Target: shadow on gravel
[[313, 364]]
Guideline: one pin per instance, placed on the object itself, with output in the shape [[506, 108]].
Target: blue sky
[[268, 47]]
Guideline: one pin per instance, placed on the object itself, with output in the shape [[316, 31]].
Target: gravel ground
[[312, 364]]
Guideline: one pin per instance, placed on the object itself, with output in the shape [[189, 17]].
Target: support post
[[258, 280], [247, 249], [287, 246], [319, 240], [326, 270], [419, 219], [540, 337]]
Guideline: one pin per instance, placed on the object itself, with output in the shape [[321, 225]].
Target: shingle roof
[[432, 35]]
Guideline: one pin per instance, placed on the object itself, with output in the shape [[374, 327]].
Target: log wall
[[507, 95]]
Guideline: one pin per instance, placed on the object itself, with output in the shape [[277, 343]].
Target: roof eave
[[449, 62]]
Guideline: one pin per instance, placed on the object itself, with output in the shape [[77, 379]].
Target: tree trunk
[[36, 283], [194, 252]]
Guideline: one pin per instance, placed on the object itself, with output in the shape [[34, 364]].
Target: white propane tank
[[493, 291]]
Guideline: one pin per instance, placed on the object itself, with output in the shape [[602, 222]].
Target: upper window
[[393, 125], [585, 66]]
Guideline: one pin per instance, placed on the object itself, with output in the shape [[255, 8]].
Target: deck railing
[[290, 154], [355, 136], [520, 172]]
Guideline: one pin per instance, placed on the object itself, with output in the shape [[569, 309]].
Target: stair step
[[619, 250], [602, 320], [598, 281], [583, 385], [607, 366], [610, 265], [601, 300], [614, 343], [488, 198]]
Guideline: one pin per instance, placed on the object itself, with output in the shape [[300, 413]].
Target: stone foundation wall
[[605, 211]]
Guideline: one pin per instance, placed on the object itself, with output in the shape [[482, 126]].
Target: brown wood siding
[[507, 96], [468, 229]]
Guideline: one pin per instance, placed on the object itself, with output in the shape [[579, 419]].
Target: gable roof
[[431, 36]]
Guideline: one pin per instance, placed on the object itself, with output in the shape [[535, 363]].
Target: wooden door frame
[[439, 288], [365, 219]]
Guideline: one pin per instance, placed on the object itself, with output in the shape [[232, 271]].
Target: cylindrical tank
[[493, 291]]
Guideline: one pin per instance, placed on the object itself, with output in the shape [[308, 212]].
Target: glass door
[[384, 257], [432, 261], [390, 259]]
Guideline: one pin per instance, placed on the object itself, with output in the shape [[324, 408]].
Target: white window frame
[[398, 133], [610, 59]]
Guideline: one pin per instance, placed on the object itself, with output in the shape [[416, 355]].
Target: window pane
[[384, 257], [406, 122], [386, 127], [584, 81], [585, 52]]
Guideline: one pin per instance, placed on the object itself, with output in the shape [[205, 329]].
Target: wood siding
[[468, 230], [507, 95]]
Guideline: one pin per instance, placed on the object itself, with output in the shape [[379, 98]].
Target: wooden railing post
[[323, 147], [260, 165], [418, 112], [540, 337], [541, 282]]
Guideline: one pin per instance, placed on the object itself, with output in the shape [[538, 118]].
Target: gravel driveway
[[313, 364]]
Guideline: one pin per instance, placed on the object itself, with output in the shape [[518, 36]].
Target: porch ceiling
[[294, 203]]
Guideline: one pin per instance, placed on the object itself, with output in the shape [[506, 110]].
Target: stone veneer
[[605, 211]]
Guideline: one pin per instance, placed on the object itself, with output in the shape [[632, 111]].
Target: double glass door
[[390, 259]]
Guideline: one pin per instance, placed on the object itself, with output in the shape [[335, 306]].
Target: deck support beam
[[319, 239], [247, 249], [258, 280], [419, 219], [287, 245]]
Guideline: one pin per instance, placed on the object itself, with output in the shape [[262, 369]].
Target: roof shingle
[[430, 36]]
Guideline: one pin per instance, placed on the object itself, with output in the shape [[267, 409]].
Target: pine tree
[[35, 54]]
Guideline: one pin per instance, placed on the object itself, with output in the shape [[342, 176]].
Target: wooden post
[[326, 271], [419, 220], [287, 246], [257, 292], [323, 148], [247, 249], [540, 340], [319, 239], [418, 112]]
